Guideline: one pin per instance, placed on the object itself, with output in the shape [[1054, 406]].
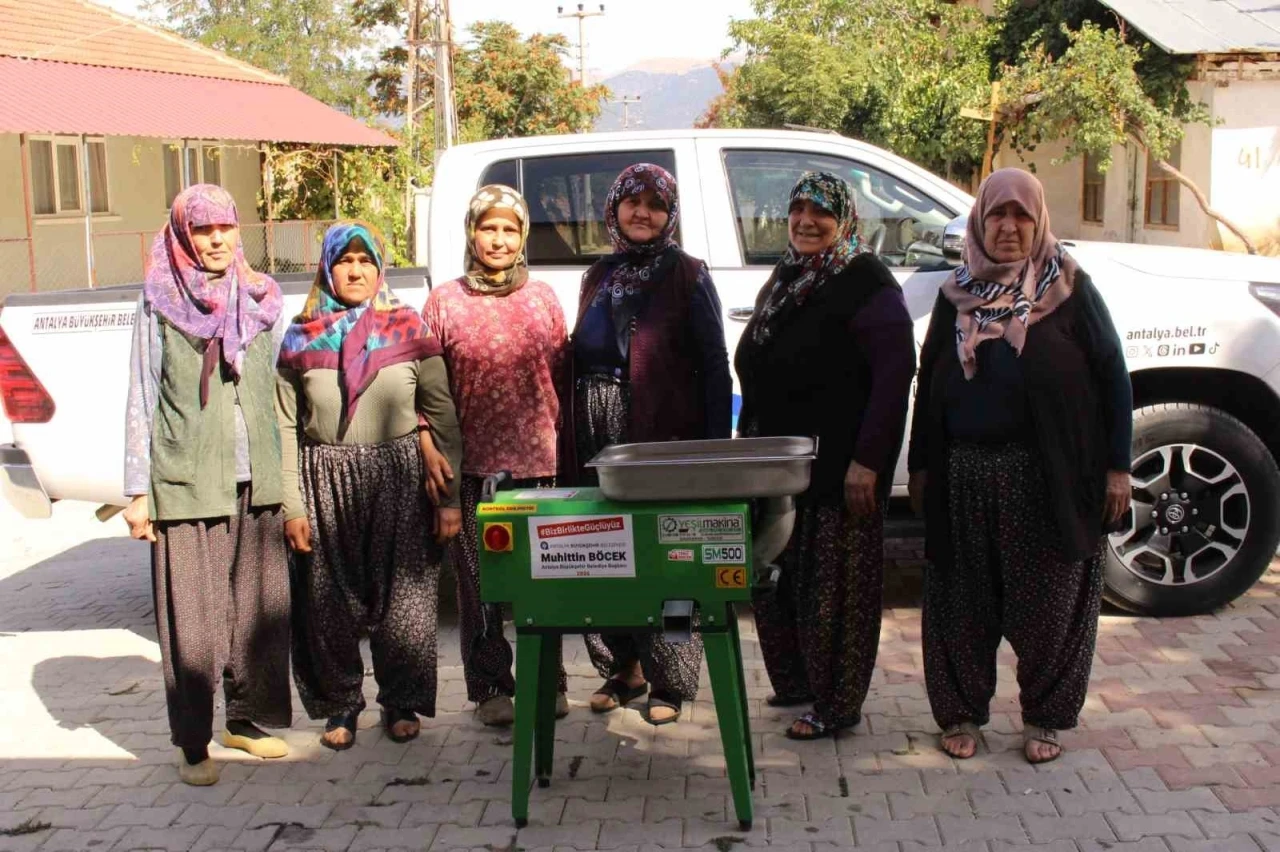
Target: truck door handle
[[741, 314]]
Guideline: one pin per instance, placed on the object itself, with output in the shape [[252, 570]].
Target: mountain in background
[[673, 93]]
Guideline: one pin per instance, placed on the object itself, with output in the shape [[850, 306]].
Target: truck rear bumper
[[20, 485]]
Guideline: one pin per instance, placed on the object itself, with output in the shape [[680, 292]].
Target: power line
[[581, 15]]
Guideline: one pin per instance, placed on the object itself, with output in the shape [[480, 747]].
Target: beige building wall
[[1235, 162], [122, 236]]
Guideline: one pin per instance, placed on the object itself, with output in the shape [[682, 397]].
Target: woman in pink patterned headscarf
[[1019, 460], [203, 471]]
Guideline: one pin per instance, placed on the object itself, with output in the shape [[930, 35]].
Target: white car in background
[[1201, 332]]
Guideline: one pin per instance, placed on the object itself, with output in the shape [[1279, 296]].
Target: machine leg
[[742, 692], [528, 660], [545, 727], [723, 664]]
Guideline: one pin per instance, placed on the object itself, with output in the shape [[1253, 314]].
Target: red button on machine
[[497, 537]]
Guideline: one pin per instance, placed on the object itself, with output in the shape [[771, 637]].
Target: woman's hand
[[448, 524], [438, 470], [1119, 493], [298, 534], [860, 489], [915, 489], [138, 516]]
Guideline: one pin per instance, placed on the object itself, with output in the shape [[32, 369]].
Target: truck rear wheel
[[1205, 517]]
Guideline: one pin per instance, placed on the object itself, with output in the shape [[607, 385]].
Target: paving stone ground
[[1178, 748]]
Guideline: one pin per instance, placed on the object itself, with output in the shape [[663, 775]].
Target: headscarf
[[356, 341], [798, 275], [634, 266], [480, 278], [183, 292], [995, 299]]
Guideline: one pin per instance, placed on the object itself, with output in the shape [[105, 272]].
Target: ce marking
[[730, 577]]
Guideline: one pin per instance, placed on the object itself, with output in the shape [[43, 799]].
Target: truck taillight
[[25, 399]]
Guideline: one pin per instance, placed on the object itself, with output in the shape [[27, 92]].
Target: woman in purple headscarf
[[649, 364], [202, 466]]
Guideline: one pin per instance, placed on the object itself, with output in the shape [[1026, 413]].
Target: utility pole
[[410, 111], [626, 101], [446, 116], [581, 15]]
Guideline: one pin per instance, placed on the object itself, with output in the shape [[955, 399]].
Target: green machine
[[675, 535]]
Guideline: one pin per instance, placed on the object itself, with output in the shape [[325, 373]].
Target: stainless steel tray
[[736, 468]]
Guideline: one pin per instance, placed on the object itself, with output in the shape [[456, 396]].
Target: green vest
[[193, 450]]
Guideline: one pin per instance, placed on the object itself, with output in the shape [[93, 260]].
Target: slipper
[[961, 729], [202, 774], [1036, 734], [392, 715], [788, 700], [659, 699], [620, 693], [821, 729], [342, 720], [248, 738]]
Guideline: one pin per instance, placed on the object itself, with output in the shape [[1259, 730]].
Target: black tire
[[1234, 520]]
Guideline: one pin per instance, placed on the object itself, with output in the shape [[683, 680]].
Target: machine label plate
[[680, 554], [724, 554], [678, 529], [568, 546], [506, 508]]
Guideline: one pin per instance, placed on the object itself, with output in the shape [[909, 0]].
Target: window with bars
[[190, 163], [57, 176], [1094, 191], [1163, 190]]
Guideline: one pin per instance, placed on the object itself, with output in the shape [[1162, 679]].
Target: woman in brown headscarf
[[1019, 458]]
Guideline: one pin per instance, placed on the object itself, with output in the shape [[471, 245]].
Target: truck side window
[[566, 202], [505, 172], [901, 224]]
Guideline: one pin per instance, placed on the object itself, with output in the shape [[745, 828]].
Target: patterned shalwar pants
[[601, 409], [486, 653], [221, 588], [1007, 577], [820, 628], [374, 569]]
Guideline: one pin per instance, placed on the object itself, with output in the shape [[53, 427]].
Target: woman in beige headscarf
[[505, 343], [1019, 458]]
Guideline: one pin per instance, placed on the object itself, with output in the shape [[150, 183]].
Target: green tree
[[1092, 96], [895, 73], [311, 43]]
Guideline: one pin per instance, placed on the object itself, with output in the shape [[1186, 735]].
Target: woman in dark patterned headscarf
[[202, 466], [650, 365], [828, 352], [358, 372]]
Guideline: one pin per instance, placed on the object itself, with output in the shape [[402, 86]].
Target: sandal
[[346, 721], [1036, 734], [960, 729], [788, 700], [819, 729], [663, 701], [619, 694], [393, 715]]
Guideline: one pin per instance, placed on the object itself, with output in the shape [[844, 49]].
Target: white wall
[[1245, 164]]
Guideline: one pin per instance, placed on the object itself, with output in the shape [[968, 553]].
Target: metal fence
[[55, 258]]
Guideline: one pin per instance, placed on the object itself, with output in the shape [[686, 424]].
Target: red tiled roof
[[87, 34], [58, 97]]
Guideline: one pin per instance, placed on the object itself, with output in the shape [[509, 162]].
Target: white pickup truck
[[1201, 331]]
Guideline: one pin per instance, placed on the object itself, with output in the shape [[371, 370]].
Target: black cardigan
[[1081, 406], [816, 376]]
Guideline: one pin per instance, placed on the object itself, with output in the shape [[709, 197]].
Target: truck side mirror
[[953, 240]]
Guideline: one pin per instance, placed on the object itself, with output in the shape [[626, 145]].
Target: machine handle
[[768, 584], [493, 484]]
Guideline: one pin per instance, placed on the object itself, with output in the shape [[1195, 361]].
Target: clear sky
[[630, 31]]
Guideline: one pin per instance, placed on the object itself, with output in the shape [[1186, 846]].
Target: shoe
[[616, 694], [562, 705], [393, 715], [202, 774], [346, 721], [663, 701], [255, 742], [496, 712], [1036, 734]]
